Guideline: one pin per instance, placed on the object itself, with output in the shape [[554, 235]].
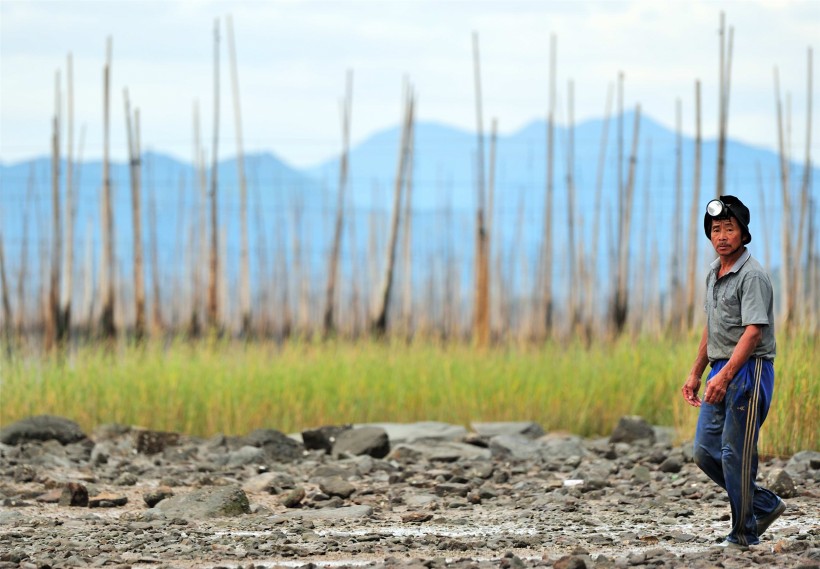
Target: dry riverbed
[[389, 495]]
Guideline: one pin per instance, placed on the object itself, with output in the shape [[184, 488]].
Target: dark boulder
[[42, 428], [632, 428], [277, 445], [323, 438], [226, 501], [372, 441]]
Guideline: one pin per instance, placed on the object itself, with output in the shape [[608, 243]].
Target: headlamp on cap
[[724, 207], [716, 208]]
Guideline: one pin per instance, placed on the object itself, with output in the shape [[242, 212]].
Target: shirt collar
[[715, 265]]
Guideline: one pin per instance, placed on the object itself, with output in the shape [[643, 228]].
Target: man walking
[[738, 341]]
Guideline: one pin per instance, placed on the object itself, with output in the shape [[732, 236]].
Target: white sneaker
[[726, 544]]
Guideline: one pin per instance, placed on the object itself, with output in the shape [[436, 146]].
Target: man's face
[[727, 237]]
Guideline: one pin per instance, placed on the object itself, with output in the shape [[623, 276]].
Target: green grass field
[[206, 388]]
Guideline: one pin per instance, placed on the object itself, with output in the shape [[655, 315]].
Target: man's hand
[[716, 387], [690, 390]]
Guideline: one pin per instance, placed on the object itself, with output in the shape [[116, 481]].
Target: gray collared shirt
[[741, 297]]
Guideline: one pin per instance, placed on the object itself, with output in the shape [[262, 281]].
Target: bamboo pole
[[694, 221], [23, 273], [156, 296], [592, 282], [450, 271], [354, 327], [547, 253], [244, 259], [52, 313], [639, 317], [303, 310], [328, 324], [620, 213], [264, 327], [282, 276], [378, 316], [723, 102], [798, 279], [621, 300], [107, 270], [407, 242], [200, 240], [813, 287], [481, 310], [494, 290], [677, 306], [761, 193], [8, 319], [136, 211], [572, 285], [213, 263], [64, 317], [184, 244], [87, 307], [786, 242], [517, 261]]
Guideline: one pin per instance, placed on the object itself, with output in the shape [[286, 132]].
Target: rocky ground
[[390, 495]]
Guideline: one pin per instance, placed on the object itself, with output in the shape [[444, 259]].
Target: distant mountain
[[445, 173], [286, 203]]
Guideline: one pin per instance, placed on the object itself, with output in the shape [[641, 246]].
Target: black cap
[[733, 208]]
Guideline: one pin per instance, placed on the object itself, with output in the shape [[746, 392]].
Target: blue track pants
[[726, 445]]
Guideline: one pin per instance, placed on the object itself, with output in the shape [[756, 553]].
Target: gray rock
[[525, 428], [570, 562], [10, 518], [641, 474], [328, 470], [24, 473], [293, 498], [780, 482], [110, 431], [154, 497], [323, 438], [270, 482], [372, 441], [277, 445], [42, 428], [632, 428], [560, 446], [126, 479], [246, 455], [424, 430], [672, 464], [336, 486], [515, 446], [664, 435], [345, 513], [154, 442], [439, 451], [452, 489], [224, 501], [420, 500], [804, 464], [75, 495]]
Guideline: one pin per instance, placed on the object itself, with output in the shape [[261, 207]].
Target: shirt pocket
[[730, 310]]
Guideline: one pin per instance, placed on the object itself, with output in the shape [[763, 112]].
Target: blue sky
[[294, 55]]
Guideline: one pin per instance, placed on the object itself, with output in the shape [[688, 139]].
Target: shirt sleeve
[[755, 300]]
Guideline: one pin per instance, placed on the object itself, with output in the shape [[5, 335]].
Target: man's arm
[[692, 386], [716, 389]]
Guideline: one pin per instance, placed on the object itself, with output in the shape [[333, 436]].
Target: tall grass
[[207, 388]]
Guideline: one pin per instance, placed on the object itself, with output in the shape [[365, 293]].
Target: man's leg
[[765, 501], [747, 404], [708, 436]]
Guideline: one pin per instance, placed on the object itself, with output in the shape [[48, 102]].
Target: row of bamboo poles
[[439, 307]]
